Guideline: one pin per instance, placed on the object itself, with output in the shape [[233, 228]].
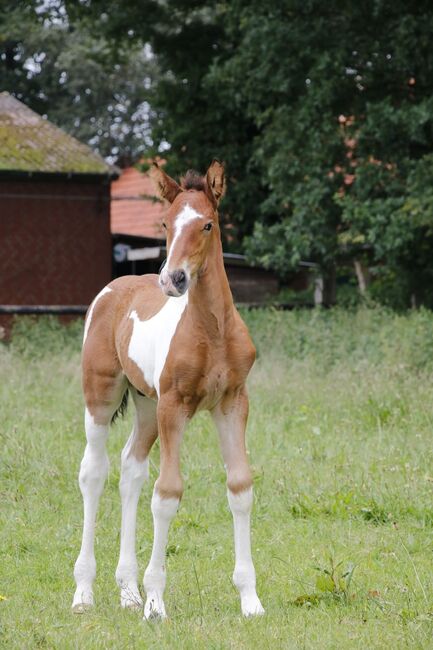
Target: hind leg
[[103, 393], [134, 471], [93, 472]]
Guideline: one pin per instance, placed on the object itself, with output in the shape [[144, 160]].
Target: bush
[[38, 336], [374, 335]]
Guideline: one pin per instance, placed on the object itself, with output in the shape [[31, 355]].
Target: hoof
[[132, 606], [155, 616], [83, 601], [131, 599], [252, 607], [154, 610], [82, 608]]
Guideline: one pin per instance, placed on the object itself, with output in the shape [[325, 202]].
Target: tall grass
[[340, 439], [329, 337]]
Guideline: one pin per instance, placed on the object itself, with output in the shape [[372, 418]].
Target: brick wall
[[55, 242]]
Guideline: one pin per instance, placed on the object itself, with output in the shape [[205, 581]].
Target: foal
[[178, 345]]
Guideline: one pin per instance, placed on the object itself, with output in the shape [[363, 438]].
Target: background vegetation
[[340, 441], [323, 112]]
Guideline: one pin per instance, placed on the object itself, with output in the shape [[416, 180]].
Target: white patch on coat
[[185, 216], [150, 339], [93, 472], [163, 511], [244, 575], [133, 475], [92, 307]]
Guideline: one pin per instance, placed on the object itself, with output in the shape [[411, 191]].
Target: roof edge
[[18, 174]]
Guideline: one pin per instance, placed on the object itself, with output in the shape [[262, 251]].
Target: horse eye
[[208, 226], [164, 225]]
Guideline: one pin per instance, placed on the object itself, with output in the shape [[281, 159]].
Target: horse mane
[[194, 181]]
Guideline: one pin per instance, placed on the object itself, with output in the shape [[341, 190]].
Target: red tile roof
[[131, 213]]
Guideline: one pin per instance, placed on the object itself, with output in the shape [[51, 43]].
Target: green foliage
[[70, 73], [332, 336], [333, 582], [377, 76], [392, 214], [323, 113], [34, 337], [192, 113]]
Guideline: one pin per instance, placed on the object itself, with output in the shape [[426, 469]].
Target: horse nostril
[[178, 278]]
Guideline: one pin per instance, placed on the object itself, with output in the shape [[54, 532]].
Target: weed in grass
[[332, 583]]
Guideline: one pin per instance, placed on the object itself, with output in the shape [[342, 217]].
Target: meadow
[[340, 439]]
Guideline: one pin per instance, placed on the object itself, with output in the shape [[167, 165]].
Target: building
[[135, 210], [55, 237], [57, 246]]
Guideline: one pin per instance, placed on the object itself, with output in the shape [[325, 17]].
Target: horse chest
[[150, 340], [203, 375], [216, 381], [167, 354]]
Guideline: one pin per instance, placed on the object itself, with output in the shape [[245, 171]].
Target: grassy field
[[340, 438]]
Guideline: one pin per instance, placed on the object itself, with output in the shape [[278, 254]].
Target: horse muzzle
[[174, 283]]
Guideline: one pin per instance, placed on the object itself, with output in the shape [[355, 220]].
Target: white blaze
[[150, 339], [185, 216]]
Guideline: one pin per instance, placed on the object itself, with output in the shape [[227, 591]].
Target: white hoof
[[130, 598], [83, 601], [154, 609], [251, 606]]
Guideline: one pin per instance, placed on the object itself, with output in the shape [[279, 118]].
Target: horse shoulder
[[241, 352], [187, 359]]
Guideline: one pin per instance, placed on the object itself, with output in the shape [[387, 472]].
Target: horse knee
[[164, 507], [241, 502], [169, 487], [96, 433], [239, 479]]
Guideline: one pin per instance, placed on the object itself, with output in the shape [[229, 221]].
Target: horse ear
[[166, 187], [215, 178]]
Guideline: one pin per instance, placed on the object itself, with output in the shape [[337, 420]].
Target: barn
[[54, 216], [58, 248]]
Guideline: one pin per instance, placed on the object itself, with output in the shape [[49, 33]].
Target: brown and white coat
[[178, 345]]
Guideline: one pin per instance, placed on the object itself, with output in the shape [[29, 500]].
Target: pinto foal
[[178, 345]]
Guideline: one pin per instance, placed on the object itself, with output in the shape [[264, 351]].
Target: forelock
[[193, 181]]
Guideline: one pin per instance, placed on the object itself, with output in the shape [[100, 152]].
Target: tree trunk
[[363, 276]]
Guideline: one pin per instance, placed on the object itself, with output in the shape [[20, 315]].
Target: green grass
[[340, 438]]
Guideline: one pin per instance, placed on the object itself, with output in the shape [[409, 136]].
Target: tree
[[322, 111], [344, 104], [190, 115], [62, 70]]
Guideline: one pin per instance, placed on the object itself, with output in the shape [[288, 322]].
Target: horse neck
[[210, 299]]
